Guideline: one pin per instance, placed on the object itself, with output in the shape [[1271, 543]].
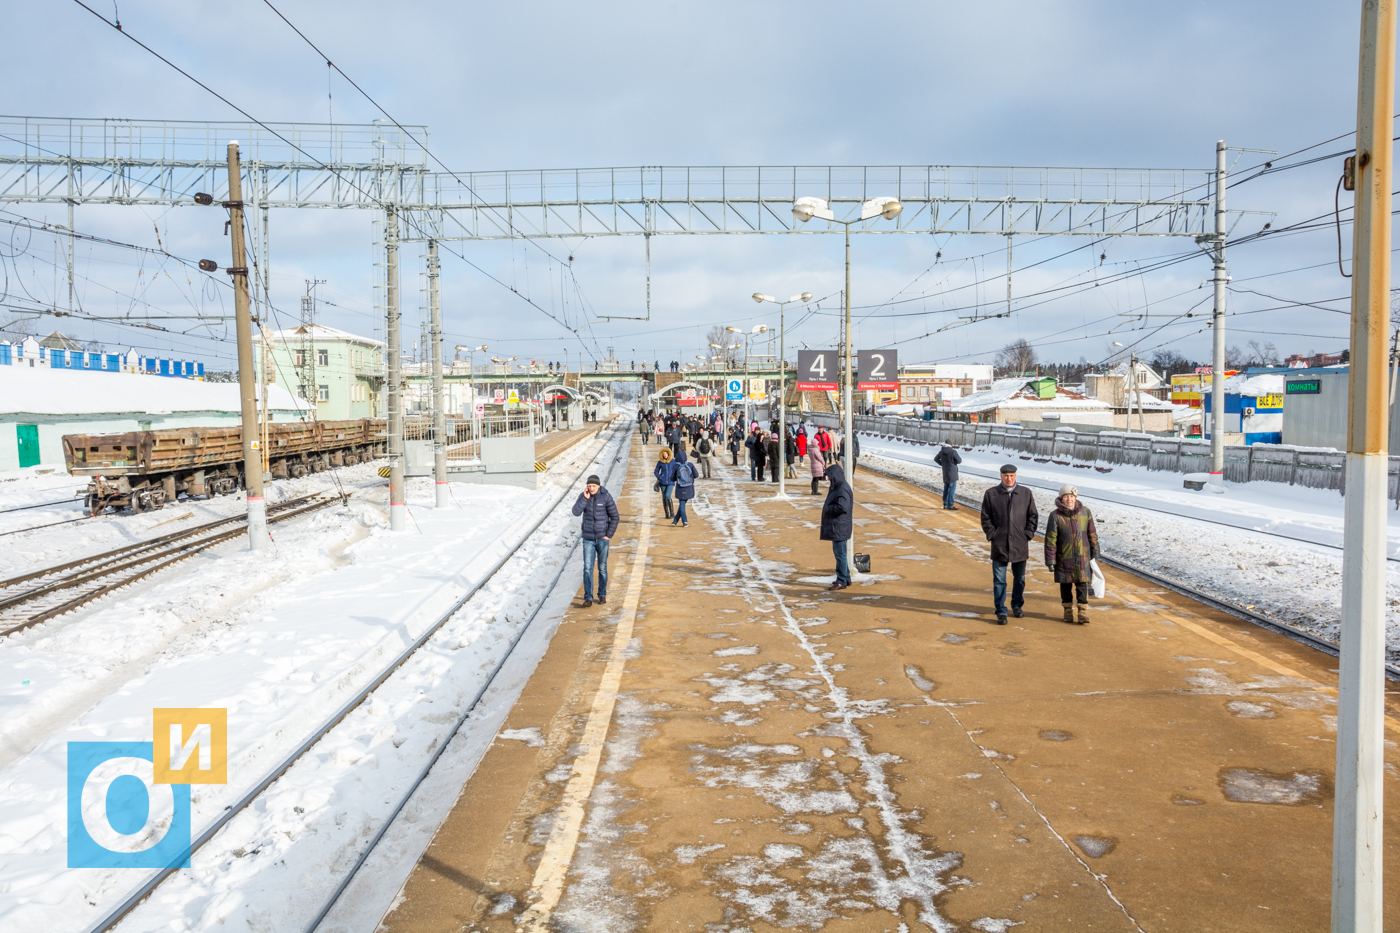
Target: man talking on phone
[[599, 512]]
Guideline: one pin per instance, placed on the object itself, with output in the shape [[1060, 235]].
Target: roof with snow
[[1017, 392], [1262, 384], [43, 391], [318, 332]]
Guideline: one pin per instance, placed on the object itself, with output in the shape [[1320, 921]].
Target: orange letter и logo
[[190, 745]]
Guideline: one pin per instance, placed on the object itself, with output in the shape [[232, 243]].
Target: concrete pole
[[1357, 839], [398, 501], [439, 413], [247, 394], [782, 387], [1217, 365], [846, 413]]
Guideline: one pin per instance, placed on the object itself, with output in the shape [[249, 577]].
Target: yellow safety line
[[548, 885]]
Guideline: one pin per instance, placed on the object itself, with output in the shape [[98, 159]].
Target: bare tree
[[18, 328], [1265, 354], [1170, 363], [1235, 358], [1018, 356], [718, 336]]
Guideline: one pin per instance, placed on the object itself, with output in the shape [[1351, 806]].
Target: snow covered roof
[[1017, 393], [318, 332], [1263, 384], [42, 391], [1148, 402]]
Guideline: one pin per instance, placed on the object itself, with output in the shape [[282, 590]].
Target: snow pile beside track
[[1290, 581], [281, 644]]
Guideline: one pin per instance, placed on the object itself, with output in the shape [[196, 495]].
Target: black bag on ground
[[862, 563]]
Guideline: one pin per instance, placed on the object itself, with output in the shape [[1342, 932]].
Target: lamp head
[[887, 208], [761, 298], [805, 296], [760, 329], [1117, 344], [733, 330], [804, 209]]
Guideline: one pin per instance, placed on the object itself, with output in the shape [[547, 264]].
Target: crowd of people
[[687, 444]]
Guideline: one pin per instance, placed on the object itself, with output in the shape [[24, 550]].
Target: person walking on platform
[[704, 449], [736, 443], [1009, 520], [659, 428], [754, 443], [644, 429], [1071, 541], [676, 437], [818, 462], [801, 444], [855, 453], [685, 476], [948, 458], [836, 523], [599, 512], [665, 473], [774, 448]]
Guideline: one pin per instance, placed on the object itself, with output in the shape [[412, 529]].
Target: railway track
[[1229, 608], [115, 916], [40, 595]]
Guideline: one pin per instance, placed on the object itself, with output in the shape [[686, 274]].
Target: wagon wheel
[[93, 505]]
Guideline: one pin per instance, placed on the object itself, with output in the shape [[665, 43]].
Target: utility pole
[[439, 416], [252, 458], [398, 502], [1217, 368], [846, 413], [1357, 825]]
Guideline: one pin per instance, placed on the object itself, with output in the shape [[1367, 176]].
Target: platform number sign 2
[[816, 370], [877, 369]]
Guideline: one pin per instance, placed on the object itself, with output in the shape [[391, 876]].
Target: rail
[[619, 429]]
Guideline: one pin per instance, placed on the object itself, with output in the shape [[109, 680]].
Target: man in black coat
[[855, 452], [948, 458], [836, 523], [600, 519], [1009, 521]]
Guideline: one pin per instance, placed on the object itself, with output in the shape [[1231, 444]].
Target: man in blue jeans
[[837, 524], [1009, 520], [948, 458], [600, 519]]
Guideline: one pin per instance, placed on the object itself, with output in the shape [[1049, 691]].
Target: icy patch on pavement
[[992, 925], [1255, 785], [734, 652], [531, 736]]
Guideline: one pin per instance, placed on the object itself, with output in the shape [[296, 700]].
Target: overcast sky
[[555, 85]]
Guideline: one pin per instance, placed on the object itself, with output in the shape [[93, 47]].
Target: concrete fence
[[1271, 463]]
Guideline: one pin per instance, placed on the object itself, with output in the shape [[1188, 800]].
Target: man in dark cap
[[600, 520], [1009, 520]]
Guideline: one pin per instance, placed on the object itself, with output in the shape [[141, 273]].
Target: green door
[[28, 435]]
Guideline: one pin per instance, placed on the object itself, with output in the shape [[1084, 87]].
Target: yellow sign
[[757, 390], [515, 396], [1269, 401], [190, 745]]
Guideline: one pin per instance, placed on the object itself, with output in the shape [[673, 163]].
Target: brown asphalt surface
[[887, 758]]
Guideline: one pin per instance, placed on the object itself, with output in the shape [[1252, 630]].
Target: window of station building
[[323, 357], [323, 393], [299, 357], [301, 390]]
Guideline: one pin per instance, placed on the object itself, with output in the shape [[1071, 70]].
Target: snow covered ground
[[282, 644], [1268, 546]]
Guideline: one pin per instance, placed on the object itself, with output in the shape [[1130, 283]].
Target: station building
[[1315, 409], [1253, 409], [1028, 402], [38, 406], [339, 373]]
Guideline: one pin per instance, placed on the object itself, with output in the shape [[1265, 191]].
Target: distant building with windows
[[59, 351], [341, 373], [924, 384]]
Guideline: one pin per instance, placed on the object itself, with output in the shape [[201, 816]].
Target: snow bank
[[77, 392]]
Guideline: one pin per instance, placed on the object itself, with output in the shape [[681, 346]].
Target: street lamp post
[[782, 377], [471, 387], [803, 210]]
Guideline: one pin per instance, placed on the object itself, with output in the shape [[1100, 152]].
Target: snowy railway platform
[[728, 746]]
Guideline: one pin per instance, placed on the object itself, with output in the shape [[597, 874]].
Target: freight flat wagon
[[143, 470]]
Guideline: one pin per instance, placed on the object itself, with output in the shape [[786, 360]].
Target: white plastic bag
[[1097, 585]]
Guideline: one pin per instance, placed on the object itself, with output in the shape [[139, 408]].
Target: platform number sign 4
[[877, 369], [816, 370]]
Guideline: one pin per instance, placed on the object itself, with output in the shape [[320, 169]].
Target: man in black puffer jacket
[[600, 519], [1009, 520], [837, 524]]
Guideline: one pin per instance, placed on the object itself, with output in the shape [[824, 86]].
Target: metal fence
[[464, 434], [1272, 463]]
